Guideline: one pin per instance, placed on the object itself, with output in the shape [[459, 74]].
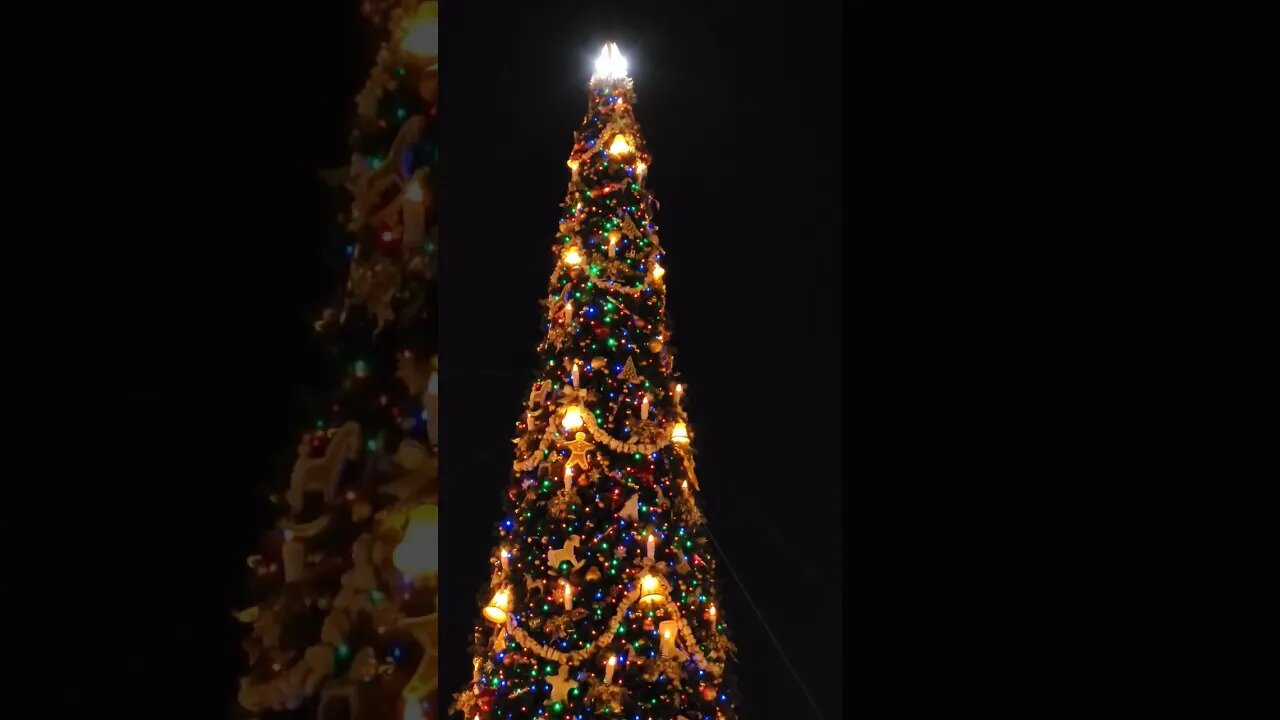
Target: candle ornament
[[293, 554], [413, 215], [667, 636]]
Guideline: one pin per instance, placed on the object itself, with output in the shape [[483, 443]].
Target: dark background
[[1064, 279], [174, 157], [1063, 275], [741, 110]]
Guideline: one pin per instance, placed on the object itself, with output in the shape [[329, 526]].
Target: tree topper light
[[610, 65]]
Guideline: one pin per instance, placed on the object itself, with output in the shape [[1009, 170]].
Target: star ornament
[[578, 448], [561, 684]]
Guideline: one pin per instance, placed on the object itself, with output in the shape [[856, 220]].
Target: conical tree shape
[[602, 600], [343, 589]]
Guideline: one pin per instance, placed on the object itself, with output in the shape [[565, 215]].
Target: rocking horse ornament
[[567, 553], [370, 184], [373, 285], [323, 473]]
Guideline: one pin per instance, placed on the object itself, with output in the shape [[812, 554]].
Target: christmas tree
[[343, 589], [603, 600]]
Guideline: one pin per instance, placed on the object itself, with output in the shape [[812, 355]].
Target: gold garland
[[306, 530], [536, 456], [577, 656], [588, 421], [615, 287], [601, 436]]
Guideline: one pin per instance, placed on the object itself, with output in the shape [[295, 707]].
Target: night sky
[[190, 268], [1062, 280]]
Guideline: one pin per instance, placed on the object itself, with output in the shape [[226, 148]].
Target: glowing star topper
[[610, 65]]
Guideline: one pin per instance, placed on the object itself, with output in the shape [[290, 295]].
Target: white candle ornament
[[608, 669], [667, 631], [576, 371], [412, 709], [431, 408], [652, 544], [644, 408], [506, 560], [568, 477], [568, 596], [294, 556], [679, 392], [414, 213]]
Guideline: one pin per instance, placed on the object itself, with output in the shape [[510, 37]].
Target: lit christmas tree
[[343, 615], [602, 600]]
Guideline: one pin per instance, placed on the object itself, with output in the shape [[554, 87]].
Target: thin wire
[[767, 629], [486, 454]]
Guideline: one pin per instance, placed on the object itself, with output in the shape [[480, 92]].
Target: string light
[[605, 367]]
